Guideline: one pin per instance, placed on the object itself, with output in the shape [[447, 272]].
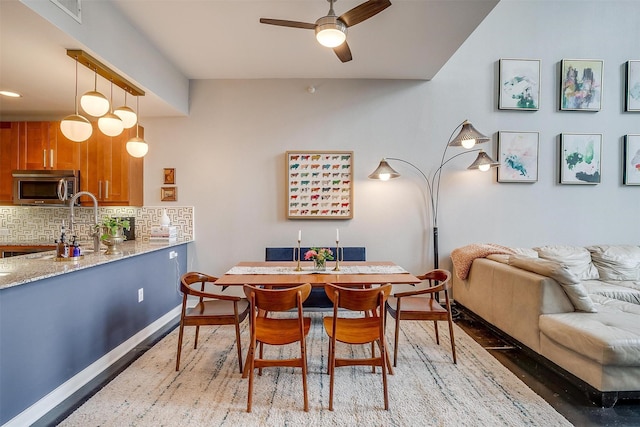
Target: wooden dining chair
[[368, 328], [421, 304], [277, 331], [211, 309]]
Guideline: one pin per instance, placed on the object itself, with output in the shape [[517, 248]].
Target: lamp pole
[[467, 138]]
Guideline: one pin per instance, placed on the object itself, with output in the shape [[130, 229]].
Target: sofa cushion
[[560, 273], [577, 258], [616, 262], [609, 337], [621, 290], [526, 252]]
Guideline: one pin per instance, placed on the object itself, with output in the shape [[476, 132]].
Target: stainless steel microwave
[[45, 187]]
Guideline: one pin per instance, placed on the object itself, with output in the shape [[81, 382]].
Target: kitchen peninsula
[[62, 323]]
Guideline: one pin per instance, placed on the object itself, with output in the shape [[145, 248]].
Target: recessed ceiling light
[[10, 94]]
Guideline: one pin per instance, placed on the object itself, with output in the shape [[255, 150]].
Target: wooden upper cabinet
[[109, 172], [43, 146], [9, 137]]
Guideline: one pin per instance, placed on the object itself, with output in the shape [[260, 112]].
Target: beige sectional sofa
[[577, 307]]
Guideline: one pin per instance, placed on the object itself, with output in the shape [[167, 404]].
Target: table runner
[[349, 269]]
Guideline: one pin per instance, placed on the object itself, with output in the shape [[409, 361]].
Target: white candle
[[337, 234], [299, 235]]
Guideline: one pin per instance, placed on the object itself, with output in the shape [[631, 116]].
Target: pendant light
[[126, 114], [136, 146], [76, 127], [93, 102], [110, 124]]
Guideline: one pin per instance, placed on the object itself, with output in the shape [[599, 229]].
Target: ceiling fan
[[331, 30]]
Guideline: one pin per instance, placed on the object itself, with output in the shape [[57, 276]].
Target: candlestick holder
[[297, 258], [337, 267]]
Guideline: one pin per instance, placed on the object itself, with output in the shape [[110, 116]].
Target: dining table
[[349, 274]]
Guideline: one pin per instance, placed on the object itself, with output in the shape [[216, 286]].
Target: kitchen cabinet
[[9, 136], [109, 172], [43, 146]]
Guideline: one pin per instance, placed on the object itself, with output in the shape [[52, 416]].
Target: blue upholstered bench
[[318, 299]]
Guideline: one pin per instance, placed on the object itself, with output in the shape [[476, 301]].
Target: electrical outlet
[[140, 294], [4, 231], [173, 254]]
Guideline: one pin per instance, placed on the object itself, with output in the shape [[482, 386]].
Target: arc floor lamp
[[467, 138]]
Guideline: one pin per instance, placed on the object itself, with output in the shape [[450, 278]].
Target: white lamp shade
[[76, 128], [94, 103], [137, 147], [127, 115], [110, 124]]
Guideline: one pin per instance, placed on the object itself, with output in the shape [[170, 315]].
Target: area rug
[[427, 389]]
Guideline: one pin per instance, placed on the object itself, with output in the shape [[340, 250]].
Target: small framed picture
[[519, 84], [169, 176], [632, 86], [518, 156], [169, 194], [580, 158], [631, 174], [581, 84]]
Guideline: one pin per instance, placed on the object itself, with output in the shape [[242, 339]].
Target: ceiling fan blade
[[343, 52], [364, 11], [284, 23]]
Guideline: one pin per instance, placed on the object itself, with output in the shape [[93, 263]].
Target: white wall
[[229, 153]]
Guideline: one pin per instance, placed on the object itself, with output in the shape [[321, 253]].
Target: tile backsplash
[[27, 224]]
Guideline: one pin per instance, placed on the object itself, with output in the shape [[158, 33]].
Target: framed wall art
[[319, 184], [581, 84], [631, 169], [169, 176], [519, 84], [632, 86], [518, 156], [169, 194], [580, 155]]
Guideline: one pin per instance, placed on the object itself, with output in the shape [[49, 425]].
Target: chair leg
[[179, 346], [435, 326], [332, 367], [395, 341], [303, 355], [249, 366], [195, 343], [239, 345], [260, 357], [373, 355], [383, 363], [453, 342]]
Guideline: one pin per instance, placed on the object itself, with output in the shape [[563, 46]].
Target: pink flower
[[310, 255]]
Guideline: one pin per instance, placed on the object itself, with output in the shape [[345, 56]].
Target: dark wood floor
[[567, 398]]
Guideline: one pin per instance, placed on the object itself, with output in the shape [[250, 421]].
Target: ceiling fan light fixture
[[330, 31]]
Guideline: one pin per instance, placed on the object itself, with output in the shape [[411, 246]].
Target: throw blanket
[[463, 257]]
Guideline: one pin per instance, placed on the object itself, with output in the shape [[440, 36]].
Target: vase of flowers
[[112, 229], [319, 256]]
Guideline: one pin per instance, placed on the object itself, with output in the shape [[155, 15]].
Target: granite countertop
[[23, 269]]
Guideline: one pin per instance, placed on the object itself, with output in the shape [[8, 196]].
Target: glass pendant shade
[[110, 124], [127, 115], [137, 147], [384, 172], [76, 128], [330, 31], [94, 103]]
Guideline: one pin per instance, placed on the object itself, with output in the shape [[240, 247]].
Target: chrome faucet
[[96, 231]]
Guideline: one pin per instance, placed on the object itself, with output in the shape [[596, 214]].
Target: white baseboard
[[57, 396]]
